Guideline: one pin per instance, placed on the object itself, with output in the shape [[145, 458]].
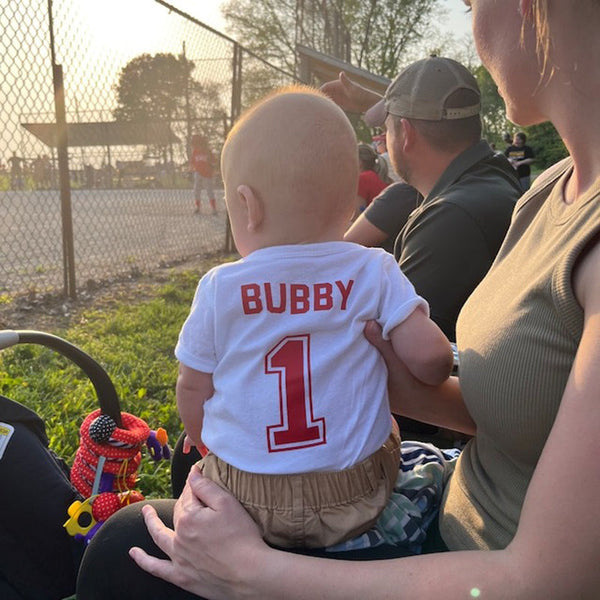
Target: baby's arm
[[192, 390], [420, 344]]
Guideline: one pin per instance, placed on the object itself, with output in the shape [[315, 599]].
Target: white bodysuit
[[297, 385]]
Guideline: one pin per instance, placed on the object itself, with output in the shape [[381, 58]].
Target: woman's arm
[[216, 552]]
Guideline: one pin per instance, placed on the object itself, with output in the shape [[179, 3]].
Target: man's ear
[[254, 210], [409, 134]]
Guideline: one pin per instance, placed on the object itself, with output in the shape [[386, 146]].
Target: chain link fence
[[97, 113]]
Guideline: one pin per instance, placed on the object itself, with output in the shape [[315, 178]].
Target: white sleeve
[[196, 345], [398, 298]]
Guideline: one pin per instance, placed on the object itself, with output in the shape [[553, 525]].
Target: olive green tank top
[[517, 335]]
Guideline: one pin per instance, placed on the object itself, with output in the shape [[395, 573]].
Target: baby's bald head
[[296, 150]]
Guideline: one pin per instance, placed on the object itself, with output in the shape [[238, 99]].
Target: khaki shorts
[[313, 510]]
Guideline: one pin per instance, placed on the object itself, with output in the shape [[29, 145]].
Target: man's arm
[[385, 216], [363, 232], [349, 95]]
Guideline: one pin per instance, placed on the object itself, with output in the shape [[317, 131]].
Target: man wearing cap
[[431, 114]]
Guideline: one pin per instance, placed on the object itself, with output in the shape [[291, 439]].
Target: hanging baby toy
[[106, 463], [105, 468]]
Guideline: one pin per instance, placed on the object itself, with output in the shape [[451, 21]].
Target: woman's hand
[[349, 95], [215, 546]]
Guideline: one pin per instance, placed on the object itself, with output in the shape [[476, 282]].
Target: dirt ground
[[51, 312]]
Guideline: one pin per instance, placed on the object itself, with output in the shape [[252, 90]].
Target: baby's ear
[[254, 207]]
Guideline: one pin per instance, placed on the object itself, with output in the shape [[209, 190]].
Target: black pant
[[108, 573], [38, 559]]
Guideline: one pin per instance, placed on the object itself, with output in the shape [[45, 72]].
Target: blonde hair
[[538, 15], [296, 150], [323, 139]]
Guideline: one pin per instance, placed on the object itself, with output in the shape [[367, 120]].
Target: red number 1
[[290, 360]]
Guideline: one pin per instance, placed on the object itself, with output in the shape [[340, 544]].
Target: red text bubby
[[294, 298]]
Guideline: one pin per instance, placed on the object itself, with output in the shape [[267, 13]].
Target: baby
[[276, 377]]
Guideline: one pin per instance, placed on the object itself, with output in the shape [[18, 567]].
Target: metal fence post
[[63, 167], [236, 110], [236, 84]]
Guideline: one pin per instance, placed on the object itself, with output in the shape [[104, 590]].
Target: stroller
[[48, 511]]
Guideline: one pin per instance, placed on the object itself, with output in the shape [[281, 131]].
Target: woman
[[527, 486], [372, 178]]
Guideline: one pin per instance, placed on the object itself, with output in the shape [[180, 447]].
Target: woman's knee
[[107, 571]]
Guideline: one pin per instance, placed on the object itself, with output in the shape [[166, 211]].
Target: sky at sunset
[[132, 34], [208, 11]]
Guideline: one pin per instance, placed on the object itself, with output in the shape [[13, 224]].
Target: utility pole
[[188, 118]]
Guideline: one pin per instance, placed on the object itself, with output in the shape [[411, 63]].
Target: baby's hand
[[188, 444]]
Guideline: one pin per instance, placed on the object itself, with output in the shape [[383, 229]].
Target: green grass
[[134, 342]]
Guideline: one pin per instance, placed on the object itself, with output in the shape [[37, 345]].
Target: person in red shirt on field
[[201, 165]]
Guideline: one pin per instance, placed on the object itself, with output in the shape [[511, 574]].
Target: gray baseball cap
[[421, 91]]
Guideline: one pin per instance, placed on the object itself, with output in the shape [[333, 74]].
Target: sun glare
[[130, 26]]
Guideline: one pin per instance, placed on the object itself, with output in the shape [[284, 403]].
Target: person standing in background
[[521, 156], [16, 171], [372, 179], [202, 166], [381, 147]]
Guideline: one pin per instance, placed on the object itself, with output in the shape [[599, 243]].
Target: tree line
[[380, 36]]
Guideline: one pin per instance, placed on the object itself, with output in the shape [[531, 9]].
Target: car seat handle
[[105, 390]]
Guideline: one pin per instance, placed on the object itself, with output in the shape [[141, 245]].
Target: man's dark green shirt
[[450, 241]]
